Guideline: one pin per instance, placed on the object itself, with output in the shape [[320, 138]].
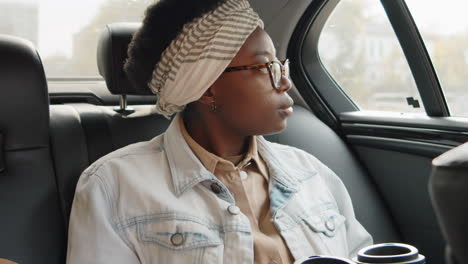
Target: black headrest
[[449, 192], [111, 55], [24, 101]]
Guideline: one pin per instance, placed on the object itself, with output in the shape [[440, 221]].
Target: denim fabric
[[151, 202]]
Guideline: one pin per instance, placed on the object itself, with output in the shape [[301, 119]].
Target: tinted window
[[362, 54], [444, 28], [66, 32]]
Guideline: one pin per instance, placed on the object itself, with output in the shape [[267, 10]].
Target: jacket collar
[[287, 173], [187, 170]]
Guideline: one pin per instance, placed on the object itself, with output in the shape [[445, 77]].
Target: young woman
[[211, 189]]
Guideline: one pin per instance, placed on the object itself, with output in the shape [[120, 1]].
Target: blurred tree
[[347, 24], [449, 60], [370, 65]]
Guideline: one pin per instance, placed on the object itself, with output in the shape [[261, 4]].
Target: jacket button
[[330, 224], [215, 188], [177, 239], [234, 210]]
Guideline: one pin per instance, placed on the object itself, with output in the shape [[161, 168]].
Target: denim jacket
[[152, 202]]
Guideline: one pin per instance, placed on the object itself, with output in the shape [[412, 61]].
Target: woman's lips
[[286, 108], [286, 112]]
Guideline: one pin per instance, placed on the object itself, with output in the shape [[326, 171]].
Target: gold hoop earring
[[213, 107]]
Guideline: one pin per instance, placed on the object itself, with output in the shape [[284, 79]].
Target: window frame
[[418, 57]]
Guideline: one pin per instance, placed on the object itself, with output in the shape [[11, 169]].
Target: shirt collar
[[213, 162], [187, 170], [208, 159], [253, 154]]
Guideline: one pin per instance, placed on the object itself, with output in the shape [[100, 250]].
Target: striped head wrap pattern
[[199, 55]]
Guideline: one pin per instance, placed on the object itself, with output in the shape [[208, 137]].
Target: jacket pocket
[[180, 241], [328, 222], [178, 235], [327, 230]]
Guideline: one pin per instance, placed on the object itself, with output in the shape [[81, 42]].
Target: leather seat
[[448, 188], [31, 224], [81, 133]]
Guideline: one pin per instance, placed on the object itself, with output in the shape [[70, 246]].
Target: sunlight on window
[[444, 28], [66, 32], [362, 54]]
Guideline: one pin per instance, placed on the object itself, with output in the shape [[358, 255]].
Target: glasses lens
[[286, 69], [276, 72]]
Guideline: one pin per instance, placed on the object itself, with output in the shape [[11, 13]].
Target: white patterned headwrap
[[200, 54]]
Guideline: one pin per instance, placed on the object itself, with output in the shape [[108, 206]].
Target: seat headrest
[[24, 101], [448, 188], [456, 157], [111, 56]]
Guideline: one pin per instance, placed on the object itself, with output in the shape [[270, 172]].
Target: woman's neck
[[214, 136]]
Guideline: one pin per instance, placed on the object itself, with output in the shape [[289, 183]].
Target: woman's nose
[[286, 84]]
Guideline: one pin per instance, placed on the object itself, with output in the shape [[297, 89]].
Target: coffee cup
[[387, 253]]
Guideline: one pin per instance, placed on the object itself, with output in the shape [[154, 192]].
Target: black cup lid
[[390, 253], [326, 260]]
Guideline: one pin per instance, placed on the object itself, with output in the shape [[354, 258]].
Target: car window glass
[[66, 32], [361, 52], [444, 29]]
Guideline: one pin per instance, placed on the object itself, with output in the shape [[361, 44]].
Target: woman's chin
[[278, 128]]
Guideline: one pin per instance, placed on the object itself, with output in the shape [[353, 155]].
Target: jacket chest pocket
[[328, 228], [179, 241]]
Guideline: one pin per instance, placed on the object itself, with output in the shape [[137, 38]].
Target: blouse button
[[234, 210], [177, 239], [243, 175], [330, 224], [215, 188]]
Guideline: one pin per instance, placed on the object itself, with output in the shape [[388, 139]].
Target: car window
[[361, 52], [444, 29], [66, 32]]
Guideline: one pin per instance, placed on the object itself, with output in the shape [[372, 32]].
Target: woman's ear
[[208, 97]]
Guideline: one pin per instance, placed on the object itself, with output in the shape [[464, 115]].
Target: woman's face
[[248, 103]]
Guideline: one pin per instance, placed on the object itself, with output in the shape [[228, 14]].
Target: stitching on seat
[[25, 149], [2, 162]]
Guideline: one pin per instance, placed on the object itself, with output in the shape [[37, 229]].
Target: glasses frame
[[260, 66]]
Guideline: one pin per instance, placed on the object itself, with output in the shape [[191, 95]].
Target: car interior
[[50, 134]]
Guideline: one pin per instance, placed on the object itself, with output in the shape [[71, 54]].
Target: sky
[[59, 19]]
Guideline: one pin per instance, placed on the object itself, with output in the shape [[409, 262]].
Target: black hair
[[163, 21]]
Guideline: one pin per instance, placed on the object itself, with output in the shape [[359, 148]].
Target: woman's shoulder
[[299, 159], [135, 154], [289, 152]]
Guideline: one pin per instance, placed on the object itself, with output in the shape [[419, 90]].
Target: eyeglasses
[[277, 69]]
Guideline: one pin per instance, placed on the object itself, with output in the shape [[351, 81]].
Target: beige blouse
[[246, 176]]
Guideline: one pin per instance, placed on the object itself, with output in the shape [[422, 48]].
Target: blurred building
[[20, 18]]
